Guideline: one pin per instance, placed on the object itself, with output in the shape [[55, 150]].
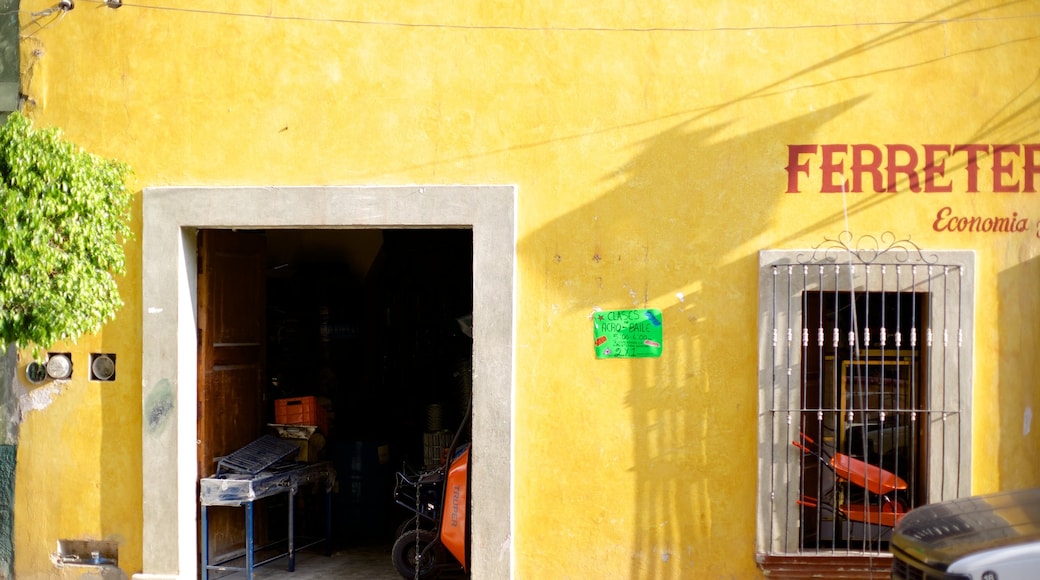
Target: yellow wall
[[648, 142]]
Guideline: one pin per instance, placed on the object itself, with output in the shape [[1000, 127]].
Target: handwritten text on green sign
[[628, 333]]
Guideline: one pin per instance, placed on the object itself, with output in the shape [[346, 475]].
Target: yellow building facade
[[607, 157]]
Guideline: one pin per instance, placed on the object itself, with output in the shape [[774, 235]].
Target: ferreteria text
[[968, 168]]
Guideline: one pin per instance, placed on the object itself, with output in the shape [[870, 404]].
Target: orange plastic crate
[[300, 411]]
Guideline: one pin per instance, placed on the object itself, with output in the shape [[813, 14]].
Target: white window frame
[[777, 527]]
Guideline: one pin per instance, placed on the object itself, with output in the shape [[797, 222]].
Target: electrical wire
[[37, 16], [649, 29]]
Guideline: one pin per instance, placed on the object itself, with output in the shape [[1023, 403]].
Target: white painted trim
[[171, 218], [776, 466]]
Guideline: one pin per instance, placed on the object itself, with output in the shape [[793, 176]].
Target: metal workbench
[[262, 469]]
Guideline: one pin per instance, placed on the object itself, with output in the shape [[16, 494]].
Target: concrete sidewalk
[[368, 562]]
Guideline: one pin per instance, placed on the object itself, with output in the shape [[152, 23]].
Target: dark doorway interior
[[373, 324]]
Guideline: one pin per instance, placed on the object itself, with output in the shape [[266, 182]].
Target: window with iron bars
[[865, 379]]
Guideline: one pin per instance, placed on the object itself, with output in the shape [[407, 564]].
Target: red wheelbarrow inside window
[[879, 506]]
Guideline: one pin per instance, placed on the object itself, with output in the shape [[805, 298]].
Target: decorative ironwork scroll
[[867, 249]]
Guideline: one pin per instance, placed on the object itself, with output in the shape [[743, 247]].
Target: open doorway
[[374, 324], [368, 329], [481, 216]]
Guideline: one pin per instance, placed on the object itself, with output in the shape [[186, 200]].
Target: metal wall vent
[[102, 367], [59, 365]]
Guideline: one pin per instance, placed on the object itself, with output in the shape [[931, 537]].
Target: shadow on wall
[[661, 239], [1018, 367], [673, 236], [120, 475]]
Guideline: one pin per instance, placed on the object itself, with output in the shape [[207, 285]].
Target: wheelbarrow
[[435, 539], [886, 510]]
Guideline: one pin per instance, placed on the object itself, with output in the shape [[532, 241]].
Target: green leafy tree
[[65, 215]]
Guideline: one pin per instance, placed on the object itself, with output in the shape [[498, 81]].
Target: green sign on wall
[[628, 333]]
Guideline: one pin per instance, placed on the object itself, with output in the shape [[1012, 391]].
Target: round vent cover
[[59, 366], [103, 367], [35, 372]]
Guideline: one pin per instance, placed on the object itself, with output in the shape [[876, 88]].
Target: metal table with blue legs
[[244, 489]]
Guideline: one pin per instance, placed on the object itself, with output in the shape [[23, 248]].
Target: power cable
[[679, 29]]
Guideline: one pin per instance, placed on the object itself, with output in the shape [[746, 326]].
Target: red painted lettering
[[935, 168], [1002, 168], [895, 168], [945, 223], [861, 166], [972, 165], [1030, 167], [940, 218], [829, 168], [795, 167], [835, 167]]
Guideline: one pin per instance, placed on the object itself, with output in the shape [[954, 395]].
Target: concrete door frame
[[171, 218]]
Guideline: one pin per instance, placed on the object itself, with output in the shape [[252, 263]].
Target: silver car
[[984, 537]]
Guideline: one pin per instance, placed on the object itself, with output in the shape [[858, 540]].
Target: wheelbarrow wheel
[[413, 523], [415, 543]]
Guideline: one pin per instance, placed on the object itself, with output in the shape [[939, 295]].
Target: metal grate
[[258, 456], [866, 368]]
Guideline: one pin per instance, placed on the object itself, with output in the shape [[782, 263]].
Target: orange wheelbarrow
[[436, 539], [884, 510]]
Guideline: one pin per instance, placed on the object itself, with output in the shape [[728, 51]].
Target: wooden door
[[231, 354]]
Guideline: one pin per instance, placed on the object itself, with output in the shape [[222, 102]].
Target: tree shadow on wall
[[673, 235]]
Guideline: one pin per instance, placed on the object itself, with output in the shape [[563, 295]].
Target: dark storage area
[[373, 325]]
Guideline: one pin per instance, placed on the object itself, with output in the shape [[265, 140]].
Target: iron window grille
[[865, 380]]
